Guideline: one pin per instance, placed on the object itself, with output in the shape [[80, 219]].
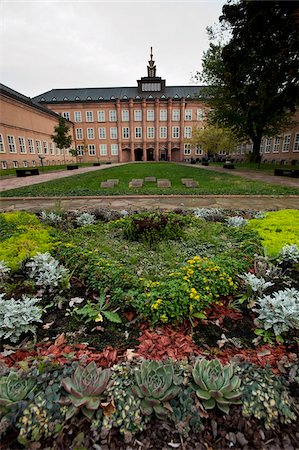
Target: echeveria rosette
[[14, 389], [216, 384], [86, 388], [156, 385]]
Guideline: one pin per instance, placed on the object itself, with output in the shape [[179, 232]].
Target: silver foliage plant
[[289, 253], [279, 312], [209, 213], [50, 217], [236, 221], [47, 272], [85, 219], [18, 316], [4, 271], [257, 284]]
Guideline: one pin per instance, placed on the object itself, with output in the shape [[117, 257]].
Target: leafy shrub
[[18, 316], [289, 253], [22, 238], [186, 293], [85, 219], [97, 311], [279, 312], [4, 271], [47, 272], [277, 229], [265, 397], [52, 218], [209, 214], [236, 221]]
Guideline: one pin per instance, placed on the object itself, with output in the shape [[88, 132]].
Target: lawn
[[123, 329], [42, 169], [208, 183]]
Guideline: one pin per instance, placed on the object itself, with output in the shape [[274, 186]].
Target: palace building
[[148, 122]]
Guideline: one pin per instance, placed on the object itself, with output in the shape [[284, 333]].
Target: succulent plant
[[156, 385], [86, 389], [13, 389], [216, 384]]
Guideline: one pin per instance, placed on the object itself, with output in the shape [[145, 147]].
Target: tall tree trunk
[[255, 155]]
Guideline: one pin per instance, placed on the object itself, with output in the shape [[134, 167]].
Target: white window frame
[[66, 115], [22, 145], [103, 149], [137, 115], [176, 115], [268, 145], [113, 133], [151, 132], [198, 150], [2, 147], [45, 148], [91, 150], [138, 132], [15, 164], [188, 132], [296, 143], [101, 116], [187, 149], [11, 144], [150, 115], [126, 133], [38, 147], [33, 163], [89, 116], [31, 148], [200, 114], [112, 115], [114, 149], [90, 133], [25, 164], [79, 133], [125, 116], [188, 114], [80, 150], [286, 143], [77, 116], [3, 165], [276, 145], [102, 132], [163, 133], [175, 132], [163, 115]]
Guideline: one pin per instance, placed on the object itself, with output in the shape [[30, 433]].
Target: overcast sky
[[65, 44]]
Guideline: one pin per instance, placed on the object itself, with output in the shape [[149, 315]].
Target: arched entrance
[[163, 154], [175, 154], [126, 155], [150, 154], [138, 154]]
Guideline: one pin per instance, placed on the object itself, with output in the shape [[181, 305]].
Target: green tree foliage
[[253, 78], [213, 139], [61, 137]]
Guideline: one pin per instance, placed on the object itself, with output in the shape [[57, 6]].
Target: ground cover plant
[[208, 182], [152, 329]]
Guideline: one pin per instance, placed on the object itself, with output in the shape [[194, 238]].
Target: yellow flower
[[164, 318], [99, 318]]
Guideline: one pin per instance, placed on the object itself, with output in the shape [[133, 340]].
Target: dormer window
[[151, 87], [150, 96], [125, 97], [112, 98], [88, 98], [137, 97], [101, 98], [163, 96], [54, 99], [176, 96], [77, 98], [42, 99]]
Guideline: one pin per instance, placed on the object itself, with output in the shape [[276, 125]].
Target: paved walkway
[[254, 202]]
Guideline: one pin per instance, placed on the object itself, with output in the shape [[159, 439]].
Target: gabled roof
[[123, 93], [5, 90]]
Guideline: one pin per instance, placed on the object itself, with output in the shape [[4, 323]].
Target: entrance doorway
[[138, 154], [150, 154], [163, 154]]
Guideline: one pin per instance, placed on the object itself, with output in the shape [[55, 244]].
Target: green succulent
[[156, 385], [13, 389], [86, 389], [216, 384]]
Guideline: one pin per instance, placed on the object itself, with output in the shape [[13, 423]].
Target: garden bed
[[150, 329]]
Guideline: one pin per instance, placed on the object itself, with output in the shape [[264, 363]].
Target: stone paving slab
[[107, 184], [185, 180], [136, 183], [115, 181], [191, 184], [163, 183], [150, 179]]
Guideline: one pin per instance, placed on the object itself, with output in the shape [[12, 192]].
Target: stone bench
[[228, 165], [26, 172], [72, 167], [289, 172]]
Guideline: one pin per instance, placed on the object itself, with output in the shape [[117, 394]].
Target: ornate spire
[[151, 68]]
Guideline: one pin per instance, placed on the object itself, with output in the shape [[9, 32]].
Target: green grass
[[263, 167], [209, 183], [12, 172]]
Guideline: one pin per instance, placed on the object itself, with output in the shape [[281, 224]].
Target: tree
[[213, 139], [61, 137], [253, 78]]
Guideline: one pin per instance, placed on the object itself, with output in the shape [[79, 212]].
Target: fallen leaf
[[109, 408], [264, 353], [7, 353], [48, 325], [60, 340], [131, 354]]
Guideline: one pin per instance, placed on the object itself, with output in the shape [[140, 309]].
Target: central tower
[[151, 83]]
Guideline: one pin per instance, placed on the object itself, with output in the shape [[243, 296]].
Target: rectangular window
[[77, 116], [286, 143], [38, 147], [101, 116], [103, 149], [3, 165], [198, 150], [90, 133], [45, 147], [114, 149], [66, 115], [200, 114], [187, 149], [137, 115], [188, 133], [15, 164], [51, 148], [79, 133], [57, 151], [138, 132], [188, 114], [150, 132], [112, 115], [22, 147], [2, 149], [31, 146], [33, 163], [11, 144], [276, 144], [150, 115], [102, 133], [268, 145], [80, 149], [89, 116], [113, 133], [25, 163], [296, 143], [125, 115], [175, 115], [176, 132], [163, 132], [91, 150], [163, 115], [126, 133]]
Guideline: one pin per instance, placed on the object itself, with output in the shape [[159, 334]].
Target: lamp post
[[41, 160]]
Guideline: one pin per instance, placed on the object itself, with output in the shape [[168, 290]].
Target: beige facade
[[25, 133]]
